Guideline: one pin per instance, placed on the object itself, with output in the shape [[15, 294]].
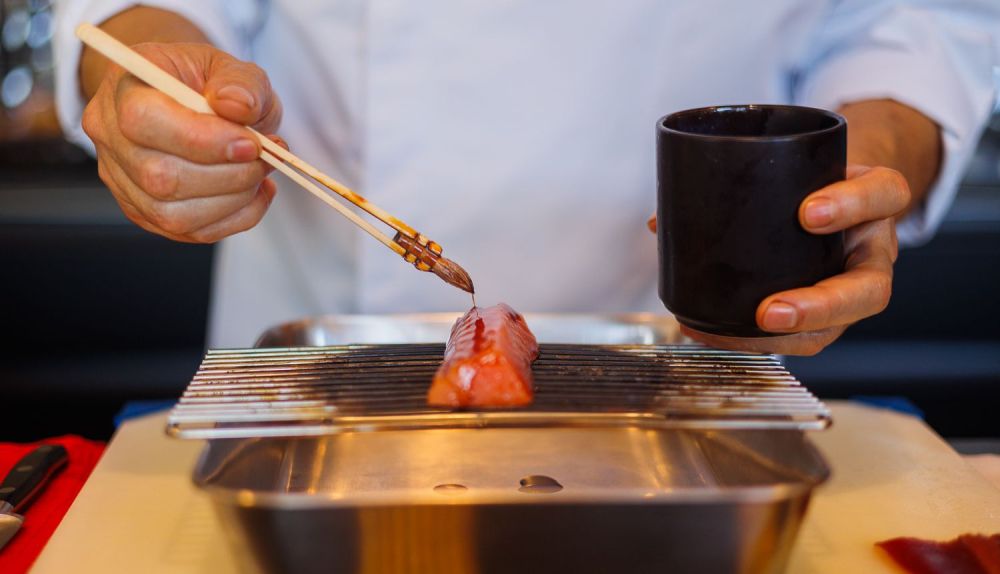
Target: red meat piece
[[487, 362], [967, 554]]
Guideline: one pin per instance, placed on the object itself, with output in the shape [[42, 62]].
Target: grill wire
[[321, 390]]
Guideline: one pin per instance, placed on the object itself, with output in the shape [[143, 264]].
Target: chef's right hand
[[185, 175]]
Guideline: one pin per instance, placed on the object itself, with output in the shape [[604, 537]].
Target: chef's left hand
[[865, 206]]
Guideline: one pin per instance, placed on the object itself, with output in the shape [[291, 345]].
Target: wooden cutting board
[[892, 476]]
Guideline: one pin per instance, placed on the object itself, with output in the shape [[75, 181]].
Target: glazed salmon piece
[[487, 362]]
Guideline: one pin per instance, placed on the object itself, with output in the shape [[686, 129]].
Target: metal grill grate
[[322, 390]]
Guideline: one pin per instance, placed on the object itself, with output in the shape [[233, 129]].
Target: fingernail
[[241, 150], [236, 94], [780, 317], [819, 212], [279, 140]]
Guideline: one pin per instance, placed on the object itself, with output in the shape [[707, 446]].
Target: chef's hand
[[865, 205], [184, 175]]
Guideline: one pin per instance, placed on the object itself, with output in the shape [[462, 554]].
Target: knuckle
[[160, 214], [204, 139], [213, 235], [883, 230], [159, 178], [251, 177], [256, 213], [258, 74], [164, 215], [259, 83], [811, 347], [133, 216], [882, 291], [902, 187], [274, 115], [829, 305], [91, 121], [883, 242], [893, 243], [896, 182], [231, 67], [104, 173], [815, 346], [199, 139], [251, 215], [133, 116]]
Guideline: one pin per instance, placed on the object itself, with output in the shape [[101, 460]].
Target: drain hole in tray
[[451, 489], [539, 484]]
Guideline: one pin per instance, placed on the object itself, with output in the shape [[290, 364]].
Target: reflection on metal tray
[[624, 329], [614, 498], [470, 501]]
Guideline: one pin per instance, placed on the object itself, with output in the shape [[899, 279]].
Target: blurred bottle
[[29, 128]]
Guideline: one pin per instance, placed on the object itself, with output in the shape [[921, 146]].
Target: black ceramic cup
[[730, 182]]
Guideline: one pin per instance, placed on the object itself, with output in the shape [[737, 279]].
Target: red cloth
[[48, 508]]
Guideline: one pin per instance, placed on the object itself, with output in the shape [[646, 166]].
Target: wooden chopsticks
[[415, 248]]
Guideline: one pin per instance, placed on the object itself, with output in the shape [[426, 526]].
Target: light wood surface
[[892, 476]]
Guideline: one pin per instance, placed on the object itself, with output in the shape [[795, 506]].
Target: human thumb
[[240, 92]]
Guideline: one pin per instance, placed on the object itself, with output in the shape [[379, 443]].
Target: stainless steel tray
[[497, 500], [623, 329]]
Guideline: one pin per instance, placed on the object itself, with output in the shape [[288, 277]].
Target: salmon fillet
[[487, 362]]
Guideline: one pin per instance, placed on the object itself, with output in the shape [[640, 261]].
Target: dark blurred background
[[97, 312]]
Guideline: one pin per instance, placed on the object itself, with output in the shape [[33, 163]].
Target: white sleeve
[[227, 23], [936, 56]]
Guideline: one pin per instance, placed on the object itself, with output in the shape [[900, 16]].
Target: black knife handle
[[31, 473]]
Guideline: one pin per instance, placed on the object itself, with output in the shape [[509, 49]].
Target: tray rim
[[757, 494], [639, 318]]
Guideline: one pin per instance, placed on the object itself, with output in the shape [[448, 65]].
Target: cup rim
[[839, 120]]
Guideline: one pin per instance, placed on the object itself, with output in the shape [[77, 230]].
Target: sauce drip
[[479, 336]]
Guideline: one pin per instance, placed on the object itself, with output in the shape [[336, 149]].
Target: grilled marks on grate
[[257, 392]]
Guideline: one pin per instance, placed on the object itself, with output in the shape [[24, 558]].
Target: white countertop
[[892, 476]]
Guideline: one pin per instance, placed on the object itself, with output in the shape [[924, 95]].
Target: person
[[518, 135]]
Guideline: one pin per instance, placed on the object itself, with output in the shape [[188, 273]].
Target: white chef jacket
[[519, 134]]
